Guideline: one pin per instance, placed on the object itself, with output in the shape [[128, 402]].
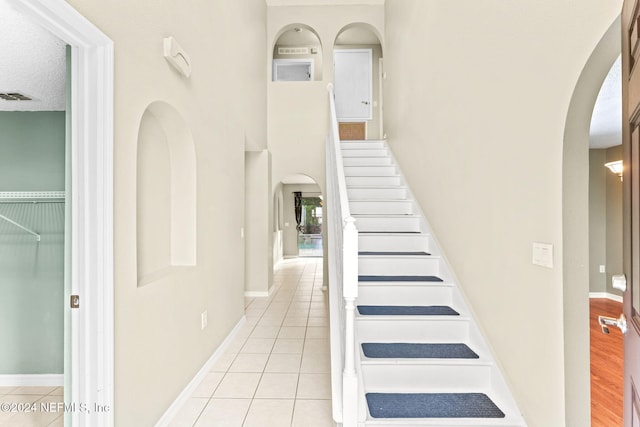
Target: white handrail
[[343, 280]]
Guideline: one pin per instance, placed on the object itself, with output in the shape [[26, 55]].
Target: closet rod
[[20, 226]]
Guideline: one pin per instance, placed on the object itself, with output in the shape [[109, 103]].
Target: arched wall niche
[[297, 47], [166, 193]]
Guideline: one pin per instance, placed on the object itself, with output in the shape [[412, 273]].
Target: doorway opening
[[89, 331], [298, 212], [579, 265], [309, 223], [358, 77]]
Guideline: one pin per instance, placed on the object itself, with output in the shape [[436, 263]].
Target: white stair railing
[[343, 280]]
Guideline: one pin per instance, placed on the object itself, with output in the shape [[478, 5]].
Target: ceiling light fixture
[[615, 167]]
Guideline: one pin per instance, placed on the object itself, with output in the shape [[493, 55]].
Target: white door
[[353, 84]]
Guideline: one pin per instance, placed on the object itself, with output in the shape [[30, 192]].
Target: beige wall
[[597, 220], [476, 98], [158, 341], [614, 220], [605, 220]]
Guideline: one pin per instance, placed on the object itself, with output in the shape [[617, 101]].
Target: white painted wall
[[158, 341], [476, 100]]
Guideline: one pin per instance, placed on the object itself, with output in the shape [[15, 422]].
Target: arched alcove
[[358, 78], [166, 193], [297, 54]]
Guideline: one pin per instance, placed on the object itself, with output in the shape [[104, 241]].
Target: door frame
[[91, 199], [369, 51]]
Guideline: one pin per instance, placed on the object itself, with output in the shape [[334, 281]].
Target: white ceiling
[[606, 121], [33, 63]]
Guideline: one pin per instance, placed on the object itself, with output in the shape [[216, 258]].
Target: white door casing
[[91, 199], [353, 84]]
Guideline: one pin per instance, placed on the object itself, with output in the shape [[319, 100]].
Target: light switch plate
[[543, 254]]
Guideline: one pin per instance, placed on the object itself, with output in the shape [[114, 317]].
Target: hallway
[[277, 370]]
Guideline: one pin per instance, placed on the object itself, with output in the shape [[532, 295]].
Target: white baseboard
[[606, 295], [182, 398], [256, 294], [32, 380]]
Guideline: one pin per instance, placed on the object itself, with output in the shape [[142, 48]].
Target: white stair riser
[[362, 144], [435, 329], [425, 378], [373, 181], [388, 224], [367, 161], [370, 171], [393, 243], [377, 265], [397, 207], [377, 193], [380, 181], [416, 294], [365, 152]]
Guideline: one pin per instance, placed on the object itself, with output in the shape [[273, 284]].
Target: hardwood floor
[[606, 366]]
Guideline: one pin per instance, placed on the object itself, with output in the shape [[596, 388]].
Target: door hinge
[[75, 301]]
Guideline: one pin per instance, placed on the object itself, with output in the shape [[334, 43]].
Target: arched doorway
[[358, 76], [575, 223]]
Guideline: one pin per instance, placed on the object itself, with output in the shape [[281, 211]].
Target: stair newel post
[[350, 293]]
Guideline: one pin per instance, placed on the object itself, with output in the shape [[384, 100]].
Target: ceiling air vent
[[14, 96], [293, 51]]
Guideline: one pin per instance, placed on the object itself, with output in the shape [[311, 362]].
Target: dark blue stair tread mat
[[406, 310], [395, 253], [399, 279], [432, 405], [418, 351]]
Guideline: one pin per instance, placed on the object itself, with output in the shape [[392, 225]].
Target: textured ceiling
[[606, 121], [33, 63]]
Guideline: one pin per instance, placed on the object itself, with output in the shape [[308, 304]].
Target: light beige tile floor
[[31, 407], [276, 372]]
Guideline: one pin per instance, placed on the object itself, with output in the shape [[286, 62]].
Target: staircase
[[422, 360]]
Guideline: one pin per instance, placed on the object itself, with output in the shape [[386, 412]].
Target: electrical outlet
[[203, 320], [602, 269]]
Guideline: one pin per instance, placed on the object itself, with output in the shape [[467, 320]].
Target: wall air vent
[[293, 51], [14, 96]]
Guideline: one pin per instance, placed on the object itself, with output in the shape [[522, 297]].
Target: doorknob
[[620, 322], [365, 102]]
